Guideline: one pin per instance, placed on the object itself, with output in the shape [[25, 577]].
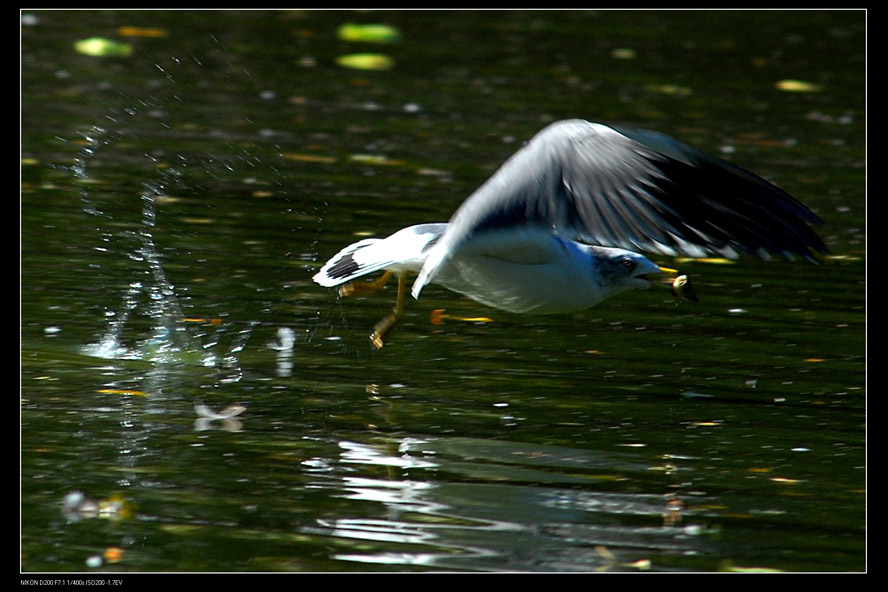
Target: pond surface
[[177, 198]]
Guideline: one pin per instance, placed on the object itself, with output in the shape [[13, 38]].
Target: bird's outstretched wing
[[633, 189]]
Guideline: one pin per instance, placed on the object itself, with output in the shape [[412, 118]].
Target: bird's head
[[620, 270]]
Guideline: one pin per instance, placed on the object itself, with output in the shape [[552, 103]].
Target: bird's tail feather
[[343, 267]]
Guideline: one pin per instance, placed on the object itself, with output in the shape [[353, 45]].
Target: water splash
[[151, 295]]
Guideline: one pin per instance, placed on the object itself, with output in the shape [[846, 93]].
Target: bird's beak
[[650, 275]]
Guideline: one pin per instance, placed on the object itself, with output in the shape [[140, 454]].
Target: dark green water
[[207, 175]]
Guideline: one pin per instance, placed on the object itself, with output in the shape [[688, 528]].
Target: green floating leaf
[[623, 53], [670, 89], [101, 47], [798, 86], [368, 33], [366, 61]]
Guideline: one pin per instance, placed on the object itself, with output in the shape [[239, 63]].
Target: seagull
[[559, 226]]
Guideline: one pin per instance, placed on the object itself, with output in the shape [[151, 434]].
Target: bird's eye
[[628, 264]]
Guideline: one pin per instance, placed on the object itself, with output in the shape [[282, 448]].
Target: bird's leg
[[382, 328], [361, 288]]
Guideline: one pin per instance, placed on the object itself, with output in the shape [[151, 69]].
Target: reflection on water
[[286, 339], [226, 418], [448, 525]]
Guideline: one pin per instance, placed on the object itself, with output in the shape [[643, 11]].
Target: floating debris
[[113, 554], [77, 506]]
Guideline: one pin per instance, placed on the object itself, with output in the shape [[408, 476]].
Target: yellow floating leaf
[[141, 32], [368, 33], [115, 507], [181, 529], [785, 480], [101, 47], [742, 569], [122, 392], [309, 157], [605, 552], [710, 506], [798, 86], [670, 89], [373, 159], [429, 172], [841, 258], [711, 260], [202, 320], [366, 61], [439, 316]]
